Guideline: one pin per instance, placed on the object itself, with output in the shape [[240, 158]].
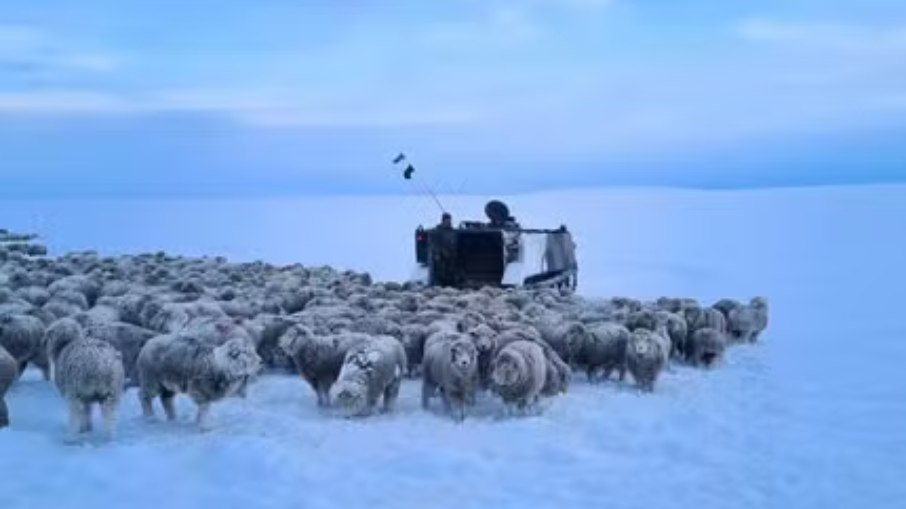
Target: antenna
[[408, 171]]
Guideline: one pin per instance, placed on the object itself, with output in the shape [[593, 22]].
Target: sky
[[228, 97]]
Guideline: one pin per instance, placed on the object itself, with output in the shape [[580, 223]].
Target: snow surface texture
[[812, 417]]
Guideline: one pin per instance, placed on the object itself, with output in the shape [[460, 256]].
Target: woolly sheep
[[371, 370], [602, 351], [559, 336], [677, 330], [23, 337], [319, 359], [128, 339], [746, 322], [558, 372], [89, 371], [272, 327], [647, 354], [171, 364], [414, 336], [9, 372], [706, 347], [518, 374], [451, 365], [705, 317]]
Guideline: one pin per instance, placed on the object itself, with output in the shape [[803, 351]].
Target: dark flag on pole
[[407, 173], [398, 159]]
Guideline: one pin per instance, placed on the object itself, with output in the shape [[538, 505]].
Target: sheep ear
[[373, 357]]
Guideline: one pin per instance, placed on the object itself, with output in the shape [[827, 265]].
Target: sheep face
[[349, 397], [239, 362], [463, 356], [507, 370]]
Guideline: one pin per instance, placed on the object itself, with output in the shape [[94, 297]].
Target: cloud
[[827, 36], [29, 50], [503, 27], [257, 109]]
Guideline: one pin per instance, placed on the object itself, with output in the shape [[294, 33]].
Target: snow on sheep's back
[[814, 416]]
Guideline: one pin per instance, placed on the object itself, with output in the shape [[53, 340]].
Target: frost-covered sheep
[[677, 330], [171, 364], [647, 354], [602, 351], [23, 337], [84, 285], [34, 295], [485, 340], [518, 374], [746, 322], [61, 309], [370, 371], [558, 375], [642, 319], [414, 336], [128, 339], [271, 328], [706, 347], [9, 372], [561, 335], [705, 317], [319, 359], [88, 371], [451, 365]]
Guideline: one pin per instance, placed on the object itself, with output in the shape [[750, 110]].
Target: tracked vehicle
[[499, 253]]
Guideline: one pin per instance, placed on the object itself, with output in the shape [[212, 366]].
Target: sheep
[[602, 351], [560, 335], [706, 347], [414, 336], [370, 371], [677, 330], [88, 371], [171, 364], [451, 365], [485, 342], [705, 317], [272, 327], [746, 322], [558, 372], [9, 372], [67, 286], [23, 337], [128, 339], [519, 374], [319, 359], [647, 353]]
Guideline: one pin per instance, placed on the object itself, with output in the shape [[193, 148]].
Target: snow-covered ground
[[813, 417]]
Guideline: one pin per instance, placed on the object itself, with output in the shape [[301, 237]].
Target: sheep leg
[[108, 410], [75, 421], [86, 425], [390, 395], [427, 392], [166, 399], [203, 417], [21, 369], [147, 399], [4, 414]]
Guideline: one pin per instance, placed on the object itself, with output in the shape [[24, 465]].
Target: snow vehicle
[[498, 253]]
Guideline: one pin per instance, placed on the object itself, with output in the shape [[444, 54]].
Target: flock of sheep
[[96, 326]]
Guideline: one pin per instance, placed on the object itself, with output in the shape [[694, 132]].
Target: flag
[[398, 159], [407, 173]]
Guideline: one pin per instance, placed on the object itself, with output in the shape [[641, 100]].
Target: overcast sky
[[281, 97]]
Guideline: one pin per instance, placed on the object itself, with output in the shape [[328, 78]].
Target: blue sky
[[280, 97]]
